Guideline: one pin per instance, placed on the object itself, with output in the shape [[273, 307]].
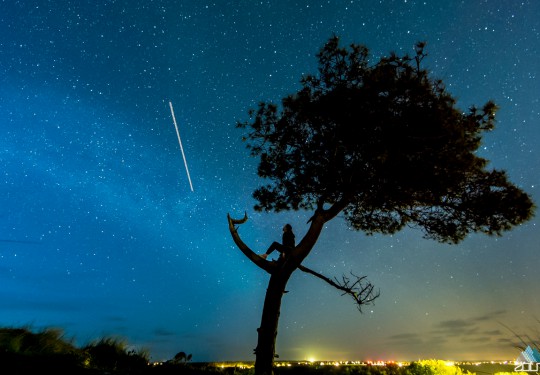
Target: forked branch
[[361, 290], [233, 229], [238, 221]]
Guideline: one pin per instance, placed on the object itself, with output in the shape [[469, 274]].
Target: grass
[[23, 351]]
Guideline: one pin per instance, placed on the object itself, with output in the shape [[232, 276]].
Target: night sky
[[102, 236]]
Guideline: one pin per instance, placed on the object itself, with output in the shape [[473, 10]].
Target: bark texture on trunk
[[267, 332]]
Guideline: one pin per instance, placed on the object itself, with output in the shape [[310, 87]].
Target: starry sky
[[101, 235]]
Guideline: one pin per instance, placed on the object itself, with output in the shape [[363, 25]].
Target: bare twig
[[361, 291]]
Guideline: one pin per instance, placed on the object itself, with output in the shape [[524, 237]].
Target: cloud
[[405, 337], [116, 318], [417, 339], [468, 327], [456, 324], [490, 315], [41, 305], [494, 332], [456, 327], [468, 334], [162, 332], [477, 339]]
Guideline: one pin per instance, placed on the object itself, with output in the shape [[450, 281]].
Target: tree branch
[[250, 254], [361, 291]]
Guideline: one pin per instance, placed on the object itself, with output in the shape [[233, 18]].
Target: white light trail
[[180, 142]]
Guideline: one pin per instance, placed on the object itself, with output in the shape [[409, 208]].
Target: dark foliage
[[385, 145], [23, 352], [110, 354], [48, 352], [388, 143]]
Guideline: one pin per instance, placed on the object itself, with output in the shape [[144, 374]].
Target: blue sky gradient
[[101, 235]]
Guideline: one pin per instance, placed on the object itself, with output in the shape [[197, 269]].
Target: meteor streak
[[181, 148]]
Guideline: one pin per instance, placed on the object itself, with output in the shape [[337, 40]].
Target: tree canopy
[[385, 144]]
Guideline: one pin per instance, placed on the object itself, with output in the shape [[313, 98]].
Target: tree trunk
[[279, 276], [266, 345]]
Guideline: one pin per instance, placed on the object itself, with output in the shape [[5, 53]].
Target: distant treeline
[[49, 352]]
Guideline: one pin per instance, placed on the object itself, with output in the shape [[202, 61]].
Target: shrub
[[436, 367], [112, 354]]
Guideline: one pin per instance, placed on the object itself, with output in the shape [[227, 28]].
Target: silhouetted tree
[[181, 358], [384, 145]]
